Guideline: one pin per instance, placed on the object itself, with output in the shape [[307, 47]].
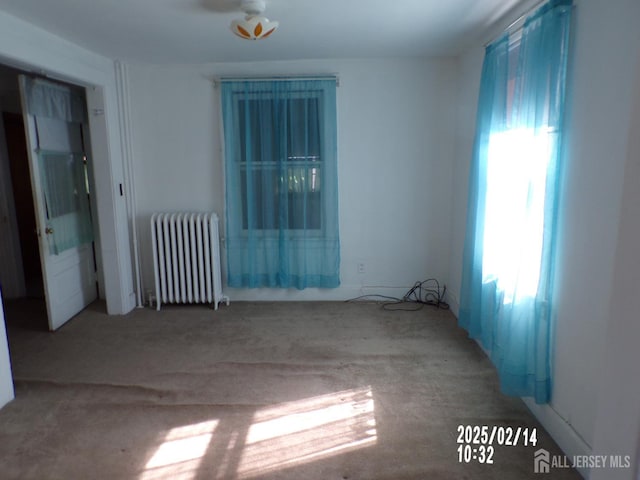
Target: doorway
[[23, 201], [33, 302]]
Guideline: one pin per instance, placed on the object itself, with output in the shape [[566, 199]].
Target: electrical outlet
[[361, 268]]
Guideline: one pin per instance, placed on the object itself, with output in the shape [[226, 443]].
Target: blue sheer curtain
[[281, 183], [513, 201]]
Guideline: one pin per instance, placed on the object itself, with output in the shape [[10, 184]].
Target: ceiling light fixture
[[254, 26]]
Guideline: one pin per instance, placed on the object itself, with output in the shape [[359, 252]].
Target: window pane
[[257, 138], [266, 182], [63, 177], [304, 211], [514, 51], [262, 190], [260, 187], [64, 184], [303, 129]]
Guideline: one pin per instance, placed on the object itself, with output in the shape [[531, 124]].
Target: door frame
[[111, 225]]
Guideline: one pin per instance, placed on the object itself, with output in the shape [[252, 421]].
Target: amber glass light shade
[[253, 27]]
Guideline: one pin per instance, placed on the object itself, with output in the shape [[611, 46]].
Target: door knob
[[48, 230]]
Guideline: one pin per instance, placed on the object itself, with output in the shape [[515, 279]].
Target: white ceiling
[[196, 31]]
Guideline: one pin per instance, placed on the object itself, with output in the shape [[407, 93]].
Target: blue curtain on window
[[281, 183], [512, 212]]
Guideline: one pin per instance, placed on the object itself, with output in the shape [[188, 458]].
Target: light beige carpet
[[331, 391]]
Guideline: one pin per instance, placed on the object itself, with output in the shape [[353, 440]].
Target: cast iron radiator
[[186, 258]]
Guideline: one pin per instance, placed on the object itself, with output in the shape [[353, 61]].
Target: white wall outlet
[[361, 268]]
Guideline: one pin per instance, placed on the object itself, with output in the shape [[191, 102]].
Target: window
[[517, 161], [281, 182], [514, 211], [276, 167], [506, 297]]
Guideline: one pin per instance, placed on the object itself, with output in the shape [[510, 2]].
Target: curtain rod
[[522, 17], [218, 80], [529, 11]]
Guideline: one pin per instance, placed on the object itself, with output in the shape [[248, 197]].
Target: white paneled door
[[59, 179]]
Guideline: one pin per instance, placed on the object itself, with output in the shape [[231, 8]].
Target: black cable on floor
[[428, 292]]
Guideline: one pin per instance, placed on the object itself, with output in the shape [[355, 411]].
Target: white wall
[[617, 426], [468, 84], [606, 47], [395, 150], [25, 46], [6, 382]]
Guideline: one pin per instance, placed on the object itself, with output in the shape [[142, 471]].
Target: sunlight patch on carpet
[[276, 437], [299, 432], [181, 453]]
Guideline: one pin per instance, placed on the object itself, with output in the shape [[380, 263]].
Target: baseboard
[[340, 294], [561, 431]]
